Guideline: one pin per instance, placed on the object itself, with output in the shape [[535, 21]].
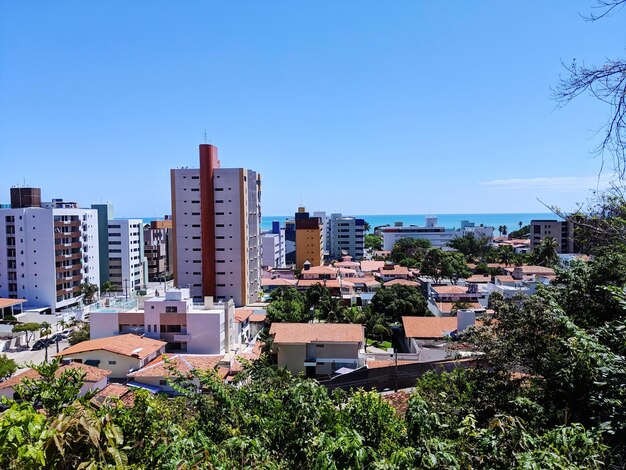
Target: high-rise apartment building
[[216, 218], [127, 265], [157, 248], [273, 247], [347, 236], [308, 239], [47, 250], [561, 231]]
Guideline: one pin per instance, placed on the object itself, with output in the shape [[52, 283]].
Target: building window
[[173, 309], [112, 362]]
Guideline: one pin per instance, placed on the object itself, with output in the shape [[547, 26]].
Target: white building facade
[[216, 215], [347, 236], [127, 264], [47, 253]]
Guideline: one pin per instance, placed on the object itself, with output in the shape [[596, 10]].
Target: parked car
[[40, 344]]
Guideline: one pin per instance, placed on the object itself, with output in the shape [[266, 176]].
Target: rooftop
[[92, 374], [164, 366], [303, 333], [126, 345]]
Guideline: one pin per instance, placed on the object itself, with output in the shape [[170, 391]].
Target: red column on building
[[208, 163]]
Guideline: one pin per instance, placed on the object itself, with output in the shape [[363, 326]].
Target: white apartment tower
[[127, 264], [47, 250], [216, 215]]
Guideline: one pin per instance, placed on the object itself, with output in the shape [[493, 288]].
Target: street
[[37, 357]]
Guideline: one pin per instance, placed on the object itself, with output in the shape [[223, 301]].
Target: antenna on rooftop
[[205, 137]]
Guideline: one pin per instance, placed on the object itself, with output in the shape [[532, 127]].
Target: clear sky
[[364, 107]]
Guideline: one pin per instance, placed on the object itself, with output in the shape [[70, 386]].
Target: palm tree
[[88, 291], [367, 226], [506, 254], [505, 230], [45, 330], [107, 286], [546, 253]]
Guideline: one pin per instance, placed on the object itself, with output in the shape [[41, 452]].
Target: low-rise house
[[270, 284], [257, 322], [317, 349], [401, 282], [422, 331], [391, 271], [157, 375], [531, 272], [113, 392], [118, 354], [447, 293], [95, 379], [319, 272]]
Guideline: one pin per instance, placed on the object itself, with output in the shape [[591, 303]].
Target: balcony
[[182, 337], [72, 234], [68, 257], [67, 223], [76, 278]]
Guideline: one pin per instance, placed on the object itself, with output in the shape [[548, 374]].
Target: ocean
[[451, 221]]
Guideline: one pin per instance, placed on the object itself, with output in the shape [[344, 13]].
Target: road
[[37, 357]]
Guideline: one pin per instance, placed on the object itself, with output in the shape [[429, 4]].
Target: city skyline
[[419, 107]]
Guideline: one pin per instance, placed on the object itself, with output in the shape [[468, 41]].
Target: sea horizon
[[451, 221]]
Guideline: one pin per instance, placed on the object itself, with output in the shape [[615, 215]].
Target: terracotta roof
[[279, 282], [428, 327], [320, 270], [4, 303], [368, 281], [478, 278], [401, 282], [447, 307], [183, 363], [395, 271], [114, 391], [347, 264], [302, 333], [529, 270], [257, 317], [399, 401], [377, 364], [92, 374], [369, 266], [126, 345], [330, 283], [242, 314], [505, 278], [450, 289]]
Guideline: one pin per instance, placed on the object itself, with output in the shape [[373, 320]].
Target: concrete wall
[[118, 365], [291, 357]]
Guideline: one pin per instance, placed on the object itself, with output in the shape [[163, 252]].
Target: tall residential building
[[273, 247], [347, 236], [127, 264], [561, 231], [325, 231], [216, 219], [290, 242], [47, 250], [308, 239], [157, 248], [105, 213]]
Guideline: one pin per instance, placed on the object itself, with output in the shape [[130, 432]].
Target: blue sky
[[356, 106]]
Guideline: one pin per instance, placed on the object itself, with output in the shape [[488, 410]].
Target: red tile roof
[[303, 333], [370, 266], [183, 363], [395, 271], [447, 307], [126, 345], [257, 317], [114, 391], [478, 279], [92, 374], [428, 327], [242, 314], [401, 282], [277, 282], [450, 290]]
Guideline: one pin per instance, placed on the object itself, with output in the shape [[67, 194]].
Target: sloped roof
[[4, 303], [92, 374], [242, 314], [183, 363], [126, 345], [401, 282], [303, 333], [428, 327], [277, 282], [369, 266], [114, 391], [450, 289]]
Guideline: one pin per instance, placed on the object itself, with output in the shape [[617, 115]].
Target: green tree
[[107, 286], [455, 267], [545, 254], [288, 306], [79, 334], [506, 254], [470, 246], [7, 367], [410, 248], [88, 291], [29, 328], [373, 242], [397, 301], [44, 330]]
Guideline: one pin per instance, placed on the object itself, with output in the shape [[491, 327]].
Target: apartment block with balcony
[[216, 214], [47, 250], [347, 236], [186, 327], [309, 240], [561, 231], [157, 246]]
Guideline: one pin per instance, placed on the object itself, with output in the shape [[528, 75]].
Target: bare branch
[[605, 8]]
